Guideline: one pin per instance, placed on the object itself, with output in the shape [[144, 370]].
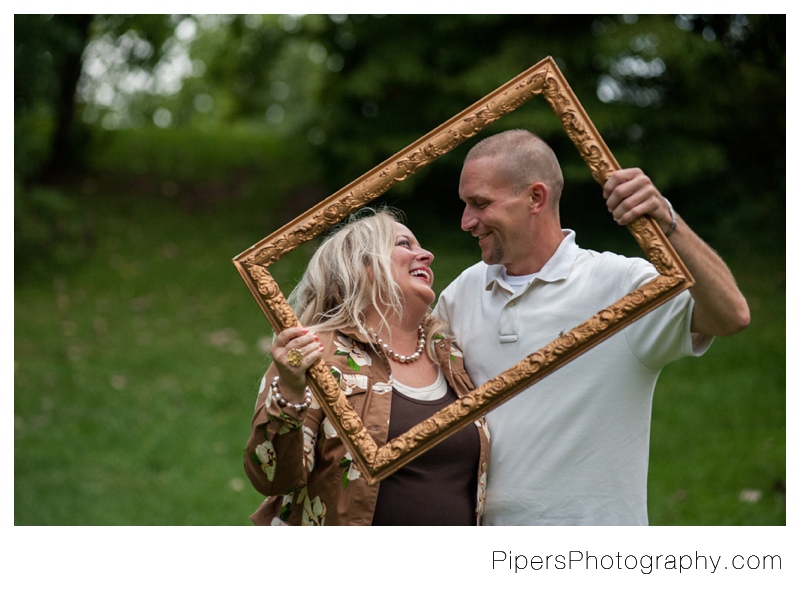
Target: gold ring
[[295, 357]]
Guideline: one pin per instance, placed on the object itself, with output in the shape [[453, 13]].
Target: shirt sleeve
[[280, 451], [664, 334]]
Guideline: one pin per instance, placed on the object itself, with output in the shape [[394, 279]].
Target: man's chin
[[491, 257]]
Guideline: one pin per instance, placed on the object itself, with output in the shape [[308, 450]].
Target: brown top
[[438, 487], [299, 461]]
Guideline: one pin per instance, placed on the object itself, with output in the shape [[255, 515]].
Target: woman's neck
[[402, 337], [403, 340], [402, 327]]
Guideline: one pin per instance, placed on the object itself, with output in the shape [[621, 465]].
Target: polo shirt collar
[[557, 267]]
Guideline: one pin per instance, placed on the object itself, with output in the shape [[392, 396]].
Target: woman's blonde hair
[[351, 274]]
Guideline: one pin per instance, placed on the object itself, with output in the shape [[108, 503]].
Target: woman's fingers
[[292, 338], [299, 356], [294, 351], [287, 335]]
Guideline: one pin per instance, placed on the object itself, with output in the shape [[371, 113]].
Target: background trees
[[697, 101]]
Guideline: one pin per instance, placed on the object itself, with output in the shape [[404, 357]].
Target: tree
[[48, 64], [47, 52], [698, 102]]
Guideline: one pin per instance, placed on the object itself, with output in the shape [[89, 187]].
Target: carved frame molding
[[545, 78]]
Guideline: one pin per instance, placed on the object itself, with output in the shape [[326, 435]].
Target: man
[[572, 449]]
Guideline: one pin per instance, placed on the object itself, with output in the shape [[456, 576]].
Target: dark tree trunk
[[65, 154]]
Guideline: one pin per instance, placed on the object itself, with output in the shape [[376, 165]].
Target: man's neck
[[540, 252]]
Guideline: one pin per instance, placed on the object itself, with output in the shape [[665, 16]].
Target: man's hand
[[629, 193]]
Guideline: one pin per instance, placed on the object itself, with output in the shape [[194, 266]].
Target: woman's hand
[[294, 351]]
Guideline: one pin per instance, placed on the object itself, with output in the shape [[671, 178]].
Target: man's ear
[[539, 195]]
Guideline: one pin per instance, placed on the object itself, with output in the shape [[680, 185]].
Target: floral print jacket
[[299, 461]]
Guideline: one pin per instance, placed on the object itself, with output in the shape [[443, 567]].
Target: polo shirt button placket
[[508, 329]]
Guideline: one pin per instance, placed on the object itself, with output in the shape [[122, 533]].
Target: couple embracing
[[573, 449]]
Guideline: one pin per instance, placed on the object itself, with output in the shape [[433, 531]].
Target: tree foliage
[[696, 101]]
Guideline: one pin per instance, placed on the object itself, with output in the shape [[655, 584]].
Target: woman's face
[[411, 268]]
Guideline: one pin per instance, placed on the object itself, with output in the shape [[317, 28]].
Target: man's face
[[493, 213]]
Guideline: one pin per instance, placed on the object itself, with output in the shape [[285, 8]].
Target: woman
[[364, 305]]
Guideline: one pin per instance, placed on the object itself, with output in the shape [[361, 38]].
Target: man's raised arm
[[720, 308]]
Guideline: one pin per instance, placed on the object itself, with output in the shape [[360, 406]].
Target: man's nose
[[467, 220]]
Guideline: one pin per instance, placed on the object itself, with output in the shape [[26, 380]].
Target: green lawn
[[136, 374], [718, 445]]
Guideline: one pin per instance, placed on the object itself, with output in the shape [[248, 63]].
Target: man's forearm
[[720, 308]]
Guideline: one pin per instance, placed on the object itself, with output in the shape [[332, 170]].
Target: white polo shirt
[[572, 449]]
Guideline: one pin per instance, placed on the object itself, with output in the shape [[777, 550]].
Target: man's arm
[[720, 308]]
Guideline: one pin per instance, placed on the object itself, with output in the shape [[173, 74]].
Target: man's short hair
[[524, 159]]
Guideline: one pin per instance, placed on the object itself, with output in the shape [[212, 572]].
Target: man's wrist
[[673, 217]]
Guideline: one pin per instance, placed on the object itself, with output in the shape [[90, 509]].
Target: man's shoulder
[[472, 275], [607, 262], [471, 281]]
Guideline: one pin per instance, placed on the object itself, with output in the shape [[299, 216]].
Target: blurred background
[[150, 150]]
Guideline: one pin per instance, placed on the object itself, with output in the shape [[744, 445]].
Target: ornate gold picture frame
[[545, 78]]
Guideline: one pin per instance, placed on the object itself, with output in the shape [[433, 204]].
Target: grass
[[136, 374], [718, 447]]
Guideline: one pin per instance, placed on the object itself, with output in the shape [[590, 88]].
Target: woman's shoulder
[[451, 360], [447, 349], [346, 352]]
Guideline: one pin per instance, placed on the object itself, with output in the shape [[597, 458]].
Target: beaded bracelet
[[674, 218], [284, 403]]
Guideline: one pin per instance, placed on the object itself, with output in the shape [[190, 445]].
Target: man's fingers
[[618, 178]]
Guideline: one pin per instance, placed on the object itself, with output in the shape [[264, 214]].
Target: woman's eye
[[403, 243]]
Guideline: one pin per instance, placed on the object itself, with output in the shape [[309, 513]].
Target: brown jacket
[[299, 461]]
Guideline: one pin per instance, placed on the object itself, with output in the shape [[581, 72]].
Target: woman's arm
[[280, 450]]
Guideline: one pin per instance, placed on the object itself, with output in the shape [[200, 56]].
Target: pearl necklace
[[404, 359]]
